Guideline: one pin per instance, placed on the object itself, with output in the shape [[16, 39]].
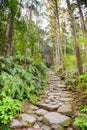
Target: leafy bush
[[71, 78], [8, 108], [20, 82], [82, 82], [81, 120]]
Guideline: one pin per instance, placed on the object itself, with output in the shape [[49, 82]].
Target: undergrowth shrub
[[19, 82], [8, 108], [81, 119], [71, 75], [78, 84], [82, 82]]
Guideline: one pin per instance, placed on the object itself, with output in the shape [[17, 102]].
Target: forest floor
[[55, 110]]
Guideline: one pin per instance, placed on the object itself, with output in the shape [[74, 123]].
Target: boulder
[[65, 109], [56, 119]]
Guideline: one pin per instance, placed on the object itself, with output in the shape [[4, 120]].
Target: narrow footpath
[[54, 111]]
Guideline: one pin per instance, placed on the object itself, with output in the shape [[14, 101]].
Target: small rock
[[40, 118], [36, 126], [40, 124], [57, 127], [45, 127], [55, 88], [47, 101], [68, 92], [69, 128], [27, 119], [41, 112], [35, 107], [50, 97], [31, 129]]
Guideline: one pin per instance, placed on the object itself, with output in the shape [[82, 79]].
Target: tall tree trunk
[[9, 32], [62, 57], [77, 51], [58, 33], [64, 44], [57, 50], [65, 39], [29, 19], [83, 26], [82, 19]]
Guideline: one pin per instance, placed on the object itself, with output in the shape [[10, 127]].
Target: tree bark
[[58, 34], [9, 32], [81, 18], [29, 19], [77, 51], [83, 25]]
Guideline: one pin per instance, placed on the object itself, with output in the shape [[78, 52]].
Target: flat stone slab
[[45, 128], [53, 103], [55, 119], [15, 123], [41, 112], [27, 120], [30, 128], [49, 107], [57, 127], [61, 85], [34, 108], [66, 109], [66, 99], [67, 95]]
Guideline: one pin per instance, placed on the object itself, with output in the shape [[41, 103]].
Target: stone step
[[56, 120]]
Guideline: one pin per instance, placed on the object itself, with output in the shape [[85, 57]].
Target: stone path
[[53, 112]]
